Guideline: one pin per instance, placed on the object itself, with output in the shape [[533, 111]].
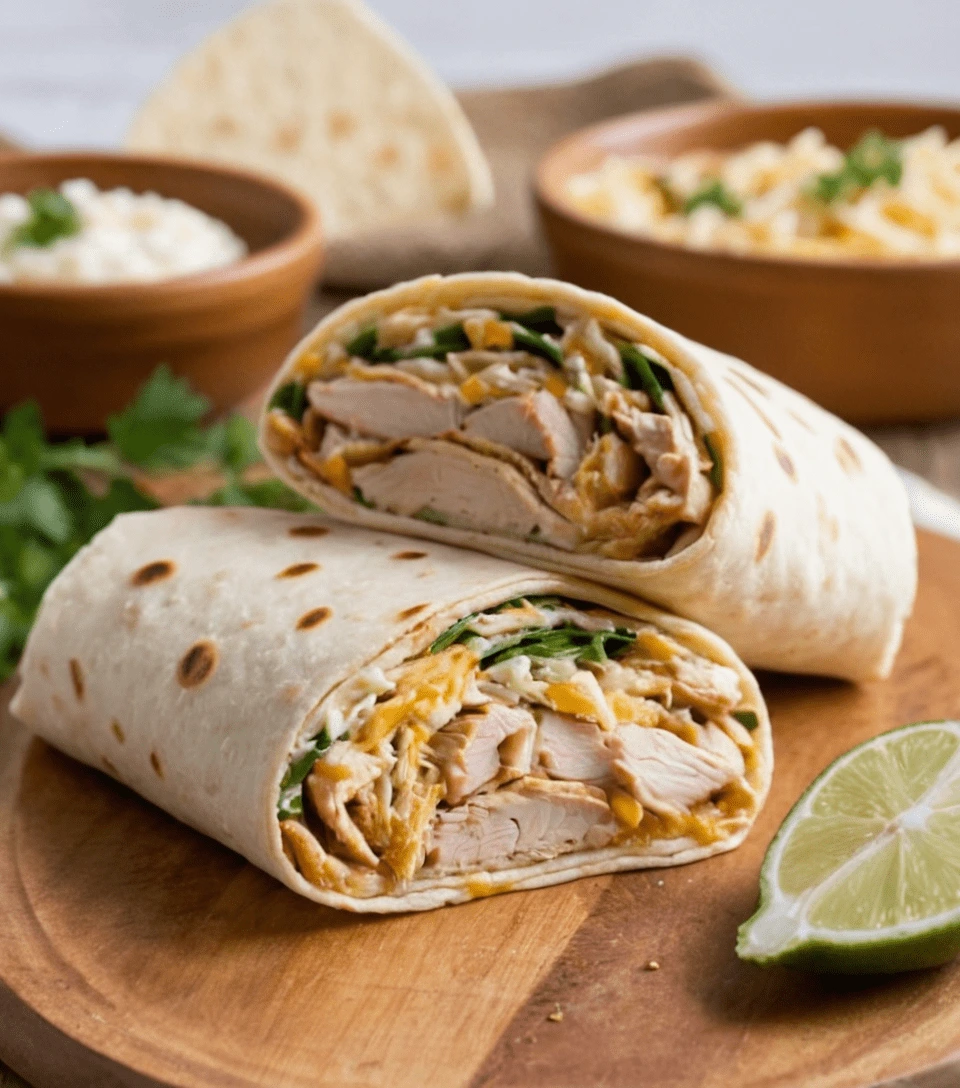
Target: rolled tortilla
[[322, 700], [536, 421]]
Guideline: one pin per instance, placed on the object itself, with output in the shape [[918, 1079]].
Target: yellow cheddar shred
[[473, 390], [626, 808], [426, 685], [336, 472], [556, 385], [631, 708]]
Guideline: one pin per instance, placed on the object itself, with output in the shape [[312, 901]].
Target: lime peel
[[864, 874]]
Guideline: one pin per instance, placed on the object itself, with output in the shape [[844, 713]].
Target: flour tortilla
[[808, 560], [325, 96], [113, 676]]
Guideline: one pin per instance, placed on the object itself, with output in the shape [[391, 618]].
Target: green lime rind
[[912, 945]]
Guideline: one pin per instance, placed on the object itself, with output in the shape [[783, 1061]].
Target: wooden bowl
[[82, 351], [874, 341]]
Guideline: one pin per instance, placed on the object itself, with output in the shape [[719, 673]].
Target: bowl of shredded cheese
[[818, 241]]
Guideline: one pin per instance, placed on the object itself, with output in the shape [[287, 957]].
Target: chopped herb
[[52, 216], [452, 633], [364, 344], [673, 202], [290, 398], [359, 497], [873, 157], [747, 718], [639, 373], [445, 339], [542, 319], [427, 513], [160, 428], [461, 628], [567, 641], [716, 470], [715, 193], [605, 425], [55, 496], [536, 345], [291, 787]]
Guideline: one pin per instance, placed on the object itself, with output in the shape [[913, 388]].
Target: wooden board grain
[[135, 952]]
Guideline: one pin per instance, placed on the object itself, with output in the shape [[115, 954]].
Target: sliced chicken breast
[[334, 781], [664, 773], [388, 408], [571, 748], [530, 820], [535, 425], [471, 490], [495, 743]]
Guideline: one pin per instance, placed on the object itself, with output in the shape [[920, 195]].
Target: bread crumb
[[659, 883], [557, 1015], [652, 965]]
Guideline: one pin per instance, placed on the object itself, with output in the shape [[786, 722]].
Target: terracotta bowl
[[82, 351], [874, 341]]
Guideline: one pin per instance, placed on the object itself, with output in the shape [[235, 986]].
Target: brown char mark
[[156, 571], [156, 764], [76, 678], [198, 664], [785, 461], [409, 555], [409, 613], [297, 570], [314, 618], [765, 536], [308, 530], [847, 456]]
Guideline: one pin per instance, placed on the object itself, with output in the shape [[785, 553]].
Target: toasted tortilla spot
[[734, 380], [314, 618], [786, 462], [387, 156], [156, 764], [153, 572], [289, 137], [309, 530], [340, 124], [291, 693], [409, 555], [197, 665], [847, 456], [76, 676], [298, 569], [408, 612], [118, 732], [798, 419], [765, 536], [109, 767]]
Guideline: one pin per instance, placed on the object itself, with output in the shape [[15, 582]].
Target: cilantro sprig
[[713, 193], [52, 216], [54, 497], [874, 157]]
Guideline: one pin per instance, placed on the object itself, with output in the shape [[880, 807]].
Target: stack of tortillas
[[323, 95]]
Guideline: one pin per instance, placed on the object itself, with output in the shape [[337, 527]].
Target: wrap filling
[[541, 425], [537, 728]]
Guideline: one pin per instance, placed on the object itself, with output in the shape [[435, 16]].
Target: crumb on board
[[652, 965], [557, 1015], [659, 883]]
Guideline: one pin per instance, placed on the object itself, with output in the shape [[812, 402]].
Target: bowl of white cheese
[[112, 264]]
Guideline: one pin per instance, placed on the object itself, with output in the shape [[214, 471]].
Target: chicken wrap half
[[534, 420], [386, 727]]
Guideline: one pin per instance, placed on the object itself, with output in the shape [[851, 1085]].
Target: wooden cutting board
[[136, 952]]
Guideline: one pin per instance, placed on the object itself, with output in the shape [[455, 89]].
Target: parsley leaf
[[54, 497], [716, 193], [639, 372], [52, 216], [565, 641], [874, 157], [290, 398], [161, 427]]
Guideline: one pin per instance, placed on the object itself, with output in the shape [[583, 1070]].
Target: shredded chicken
[[458, 762], [570, 446]]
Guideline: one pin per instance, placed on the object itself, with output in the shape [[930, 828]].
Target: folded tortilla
[[386, 725], [536, 421]]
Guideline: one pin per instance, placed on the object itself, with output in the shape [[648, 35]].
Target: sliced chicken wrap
[[534, 420], [388, 727]]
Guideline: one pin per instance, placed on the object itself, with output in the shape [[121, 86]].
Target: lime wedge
[[864, 874]]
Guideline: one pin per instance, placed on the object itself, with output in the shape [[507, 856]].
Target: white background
[[73, 71]]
